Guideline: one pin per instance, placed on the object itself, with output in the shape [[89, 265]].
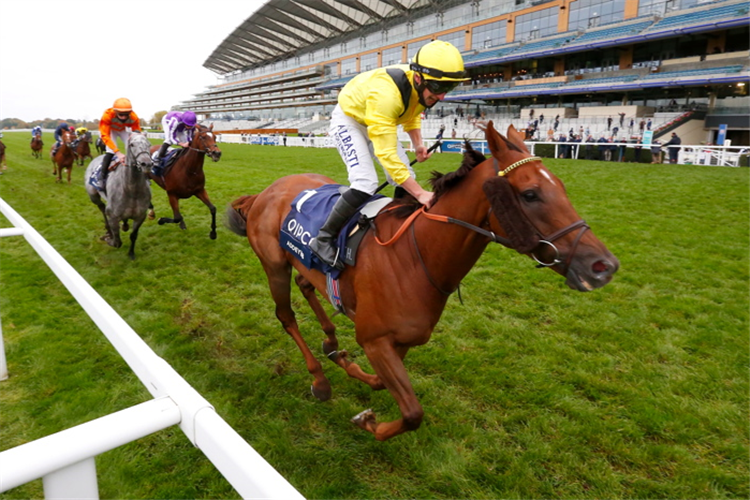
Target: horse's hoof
[[321, 394], [361, 419], [328, 350], [212, 235], [162, 221], [151, 215]]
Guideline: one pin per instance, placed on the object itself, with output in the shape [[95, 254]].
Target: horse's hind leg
[[174, 202], [203, 196], [279, 280], [331, 344]]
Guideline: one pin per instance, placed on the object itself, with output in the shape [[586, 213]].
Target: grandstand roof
[[282, 27]]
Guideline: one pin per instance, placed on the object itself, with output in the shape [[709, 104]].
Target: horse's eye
[[530, 195]]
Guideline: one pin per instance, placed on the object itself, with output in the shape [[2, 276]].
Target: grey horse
[[128, 192]]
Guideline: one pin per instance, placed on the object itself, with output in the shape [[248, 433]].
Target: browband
[[503, 173]]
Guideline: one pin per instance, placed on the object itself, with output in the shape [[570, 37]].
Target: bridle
[[206, 149], [579, 225], [547, 240]]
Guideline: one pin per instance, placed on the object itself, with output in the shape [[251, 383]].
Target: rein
[[544, 240]]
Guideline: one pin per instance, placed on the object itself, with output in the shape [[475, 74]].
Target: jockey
[[81, 131], [117, 121], [58, 136], [370, 108], [36, 131], [179, 128]]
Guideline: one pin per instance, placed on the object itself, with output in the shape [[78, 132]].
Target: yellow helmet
[[122, 104], [439, 60]]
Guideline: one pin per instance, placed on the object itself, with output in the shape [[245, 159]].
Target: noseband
[[547, 240]]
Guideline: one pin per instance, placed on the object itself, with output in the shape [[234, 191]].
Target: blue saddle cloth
[[309, 212], [95, 179], [160, 167]]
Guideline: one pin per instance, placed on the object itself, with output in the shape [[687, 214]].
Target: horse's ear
[[211, 128], [496, 144], [516, 138]]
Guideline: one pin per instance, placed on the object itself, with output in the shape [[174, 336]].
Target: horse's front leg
[[387, 361], [331, 344], [203, 196], [113, 225], [134, 235]]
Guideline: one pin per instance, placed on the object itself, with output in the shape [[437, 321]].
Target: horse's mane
[[442, 183]]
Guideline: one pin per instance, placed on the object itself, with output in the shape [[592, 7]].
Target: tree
[[156, 119]]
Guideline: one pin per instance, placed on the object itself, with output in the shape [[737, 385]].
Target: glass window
[[586, 14], [489, 35], [392, 56]]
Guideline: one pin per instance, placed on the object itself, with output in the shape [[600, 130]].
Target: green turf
[[531, 390]]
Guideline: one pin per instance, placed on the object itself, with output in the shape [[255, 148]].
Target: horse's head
[[204, 141], [68, 138], [532, 208], [139, 155]]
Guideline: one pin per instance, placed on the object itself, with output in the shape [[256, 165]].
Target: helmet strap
[[420, 87]]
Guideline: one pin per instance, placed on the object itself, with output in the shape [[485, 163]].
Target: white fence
[[65, 460]]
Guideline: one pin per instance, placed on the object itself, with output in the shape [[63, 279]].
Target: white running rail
[[66, 460]]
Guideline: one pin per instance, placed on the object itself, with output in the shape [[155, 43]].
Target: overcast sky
[[71, 60]]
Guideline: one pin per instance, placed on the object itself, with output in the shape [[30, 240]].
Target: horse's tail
[[237, 214]]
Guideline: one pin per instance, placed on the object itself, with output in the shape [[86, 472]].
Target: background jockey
[[58, 136], [117, 122], [36, 131], [179, 127], [81, 131], [370, 108]]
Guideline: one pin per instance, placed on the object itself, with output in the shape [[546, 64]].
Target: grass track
[[531, 390]]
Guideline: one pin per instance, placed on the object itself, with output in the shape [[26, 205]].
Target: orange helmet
[[122, 104]]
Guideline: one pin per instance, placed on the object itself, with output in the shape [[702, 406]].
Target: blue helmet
[[189, 118]]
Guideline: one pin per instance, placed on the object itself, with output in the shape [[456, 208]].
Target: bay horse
[[101, 148], [83, 148], [185, 178], [128, 193], [37, 145], [395, 294], [64, 157]]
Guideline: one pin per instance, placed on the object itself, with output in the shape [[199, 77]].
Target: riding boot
[[105, 168], [160, 155], [324, 244]]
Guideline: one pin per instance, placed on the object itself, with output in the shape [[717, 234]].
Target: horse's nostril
[[599, 267]]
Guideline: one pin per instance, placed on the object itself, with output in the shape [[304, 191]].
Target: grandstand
[[589, 58]]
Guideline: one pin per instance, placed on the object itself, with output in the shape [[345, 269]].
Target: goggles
[[440, 86]]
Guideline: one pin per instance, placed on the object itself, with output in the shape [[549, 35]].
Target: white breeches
[[357, 151]]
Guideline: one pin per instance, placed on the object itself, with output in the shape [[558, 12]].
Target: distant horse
[[185, 178], [83, 148], [395, 294], [37, 145], [64, 157], [128, 193], [3, 165], [101, 148]]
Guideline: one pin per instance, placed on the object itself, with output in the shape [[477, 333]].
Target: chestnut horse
[[185, 178], [64, 156], [395, 294], [83, 148], [36, 146]]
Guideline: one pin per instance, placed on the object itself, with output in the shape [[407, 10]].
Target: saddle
[[309, 212], [160, 169]]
